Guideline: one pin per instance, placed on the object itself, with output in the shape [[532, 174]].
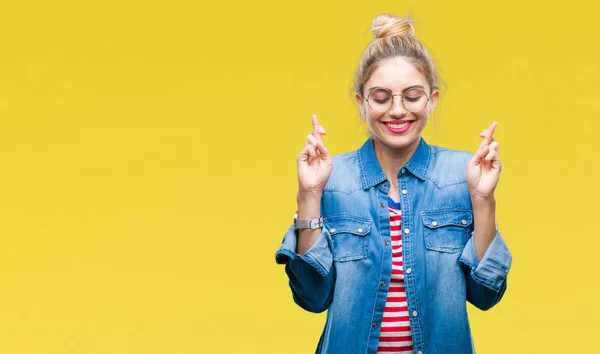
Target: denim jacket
[[348, 268]]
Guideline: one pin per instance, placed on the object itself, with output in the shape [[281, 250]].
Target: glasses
[[381, 100]]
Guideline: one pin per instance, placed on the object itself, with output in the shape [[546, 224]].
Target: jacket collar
[[371, 172]]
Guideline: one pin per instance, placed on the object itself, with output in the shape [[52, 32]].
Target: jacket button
[[386, 243], [402, 170], [382, 283], [408, 270], [434, 223], [374, 325], [404, 191], [464, 222], [415, 314], [359, 230], [406, 231], [385, 184], [383, 206]]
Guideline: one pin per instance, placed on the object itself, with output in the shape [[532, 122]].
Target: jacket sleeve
[[311, 275], [486, 279]]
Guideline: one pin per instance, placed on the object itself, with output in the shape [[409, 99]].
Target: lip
[[399, 131]]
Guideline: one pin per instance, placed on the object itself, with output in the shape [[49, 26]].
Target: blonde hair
[[394, 37]]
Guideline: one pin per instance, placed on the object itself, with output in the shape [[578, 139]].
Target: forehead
[[396, 74]]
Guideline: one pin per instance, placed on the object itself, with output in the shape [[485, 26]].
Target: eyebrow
[[403, 91]]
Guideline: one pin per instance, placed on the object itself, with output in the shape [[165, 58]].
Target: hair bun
[[387, 26]]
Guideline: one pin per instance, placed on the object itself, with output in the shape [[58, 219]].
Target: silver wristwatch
[[307, 223]]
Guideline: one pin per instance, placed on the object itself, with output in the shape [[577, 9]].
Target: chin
[[400, 144], [397, 142]]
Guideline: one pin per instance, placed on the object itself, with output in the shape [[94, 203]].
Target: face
[[397, 127]]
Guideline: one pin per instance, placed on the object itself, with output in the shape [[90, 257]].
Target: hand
[[483, 171], [314, 162]]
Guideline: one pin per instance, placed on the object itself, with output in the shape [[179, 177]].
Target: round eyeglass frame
[[397, 94]]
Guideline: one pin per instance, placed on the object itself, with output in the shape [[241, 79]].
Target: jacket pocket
[[348, 237], [447, 230]]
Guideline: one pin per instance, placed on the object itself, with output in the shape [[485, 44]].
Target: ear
[[435, 95], [360, 102]]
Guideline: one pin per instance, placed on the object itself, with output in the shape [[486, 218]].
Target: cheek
[[423, 116], [373, 117]]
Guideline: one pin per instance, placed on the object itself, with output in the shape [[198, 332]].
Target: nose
[[397, 109]]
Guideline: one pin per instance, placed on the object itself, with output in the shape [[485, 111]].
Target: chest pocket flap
[[348, 237], [447, 230]]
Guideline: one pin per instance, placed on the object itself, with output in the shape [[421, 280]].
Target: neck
[[391, 159]]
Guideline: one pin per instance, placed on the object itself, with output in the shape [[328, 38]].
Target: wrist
[[309, 196], [309, 205], [484, 209], [483, 201]]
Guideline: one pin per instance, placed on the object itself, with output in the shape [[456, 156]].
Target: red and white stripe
[[395, 336]]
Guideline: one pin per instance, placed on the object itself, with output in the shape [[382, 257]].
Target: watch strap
[[311, 224]]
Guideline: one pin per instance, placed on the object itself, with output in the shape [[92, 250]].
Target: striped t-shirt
[[395, 336]]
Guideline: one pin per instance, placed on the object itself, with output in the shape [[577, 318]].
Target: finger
[[315, 123], [307, 140], [312, 155], [315, 139], [491, 156], [318, 130], [488, 135], [323, 150], [492, 128], [321, 132], [479, 155], [312, 140], [495, 146], [483, 134], [304, 155]]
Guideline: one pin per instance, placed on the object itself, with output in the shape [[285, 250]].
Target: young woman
[[394, 238]]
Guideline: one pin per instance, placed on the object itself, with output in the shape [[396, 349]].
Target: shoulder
[[448, 166], [346, 159], [345, 175], [449, 156]]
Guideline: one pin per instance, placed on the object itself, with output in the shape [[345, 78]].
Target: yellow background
[[147, 164]]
